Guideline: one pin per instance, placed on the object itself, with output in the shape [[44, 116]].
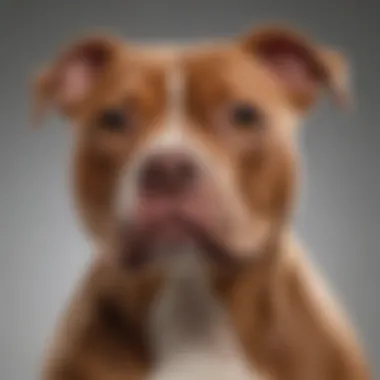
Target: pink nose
[[168, 173]]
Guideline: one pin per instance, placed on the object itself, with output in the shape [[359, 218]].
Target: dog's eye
[[246, 116], [113, 119]]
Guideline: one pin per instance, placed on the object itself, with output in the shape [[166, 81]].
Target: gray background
[[42, 249]]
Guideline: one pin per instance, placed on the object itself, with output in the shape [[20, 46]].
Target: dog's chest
[[191, 335]]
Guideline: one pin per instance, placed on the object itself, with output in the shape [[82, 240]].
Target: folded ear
[[300, 65], [69, 80]]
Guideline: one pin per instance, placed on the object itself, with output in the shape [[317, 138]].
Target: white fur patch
[[190, 331], [172, 135]]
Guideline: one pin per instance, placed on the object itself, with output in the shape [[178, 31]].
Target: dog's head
[[189, 143]]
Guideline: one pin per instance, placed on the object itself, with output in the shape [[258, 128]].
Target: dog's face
[[193, 143]]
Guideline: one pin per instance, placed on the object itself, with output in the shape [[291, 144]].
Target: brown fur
[[285, 329]]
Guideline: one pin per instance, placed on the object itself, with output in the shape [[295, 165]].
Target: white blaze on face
[[172, 134], [169, 136]]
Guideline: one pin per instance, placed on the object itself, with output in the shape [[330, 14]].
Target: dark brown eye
[[245, 115], [114, 120]]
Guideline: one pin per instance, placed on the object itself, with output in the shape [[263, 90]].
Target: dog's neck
[[189, 325], [185, 309]]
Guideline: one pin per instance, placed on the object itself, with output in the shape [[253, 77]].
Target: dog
[[185, 178]]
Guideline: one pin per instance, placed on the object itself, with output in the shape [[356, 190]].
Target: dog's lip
[[168, 216], [176, 229], [138, 240]]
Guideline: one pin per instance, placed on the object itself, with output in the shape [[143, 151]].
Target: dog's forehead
[[189, 57], [165, 54], [209, 64]]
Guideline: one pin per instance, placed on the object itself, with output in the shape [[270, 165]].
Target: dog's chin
[[157, 241]]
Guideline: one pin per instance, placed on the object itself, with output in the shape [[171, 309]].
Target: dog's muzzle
[[175, 204]]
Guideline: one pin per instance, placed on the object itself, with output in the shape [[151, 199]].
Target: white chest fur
[[190, 330]]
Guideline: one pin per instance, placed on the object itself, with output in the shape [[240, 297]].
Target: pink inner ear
[[75, 81], [292, 70]]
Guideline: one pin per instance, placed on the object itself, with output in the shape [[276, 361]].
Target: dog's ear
[[67, 82], [302, 66]]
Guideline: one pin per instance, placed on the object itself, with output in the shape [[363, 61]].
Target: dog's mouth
[[167, 226]]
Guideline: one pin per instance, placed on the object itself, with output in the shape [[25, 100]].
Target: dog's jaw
[[190, 331]]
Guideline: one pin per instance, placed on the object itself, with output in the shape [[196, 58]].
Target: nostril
[[186, 172], [153, 176]]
